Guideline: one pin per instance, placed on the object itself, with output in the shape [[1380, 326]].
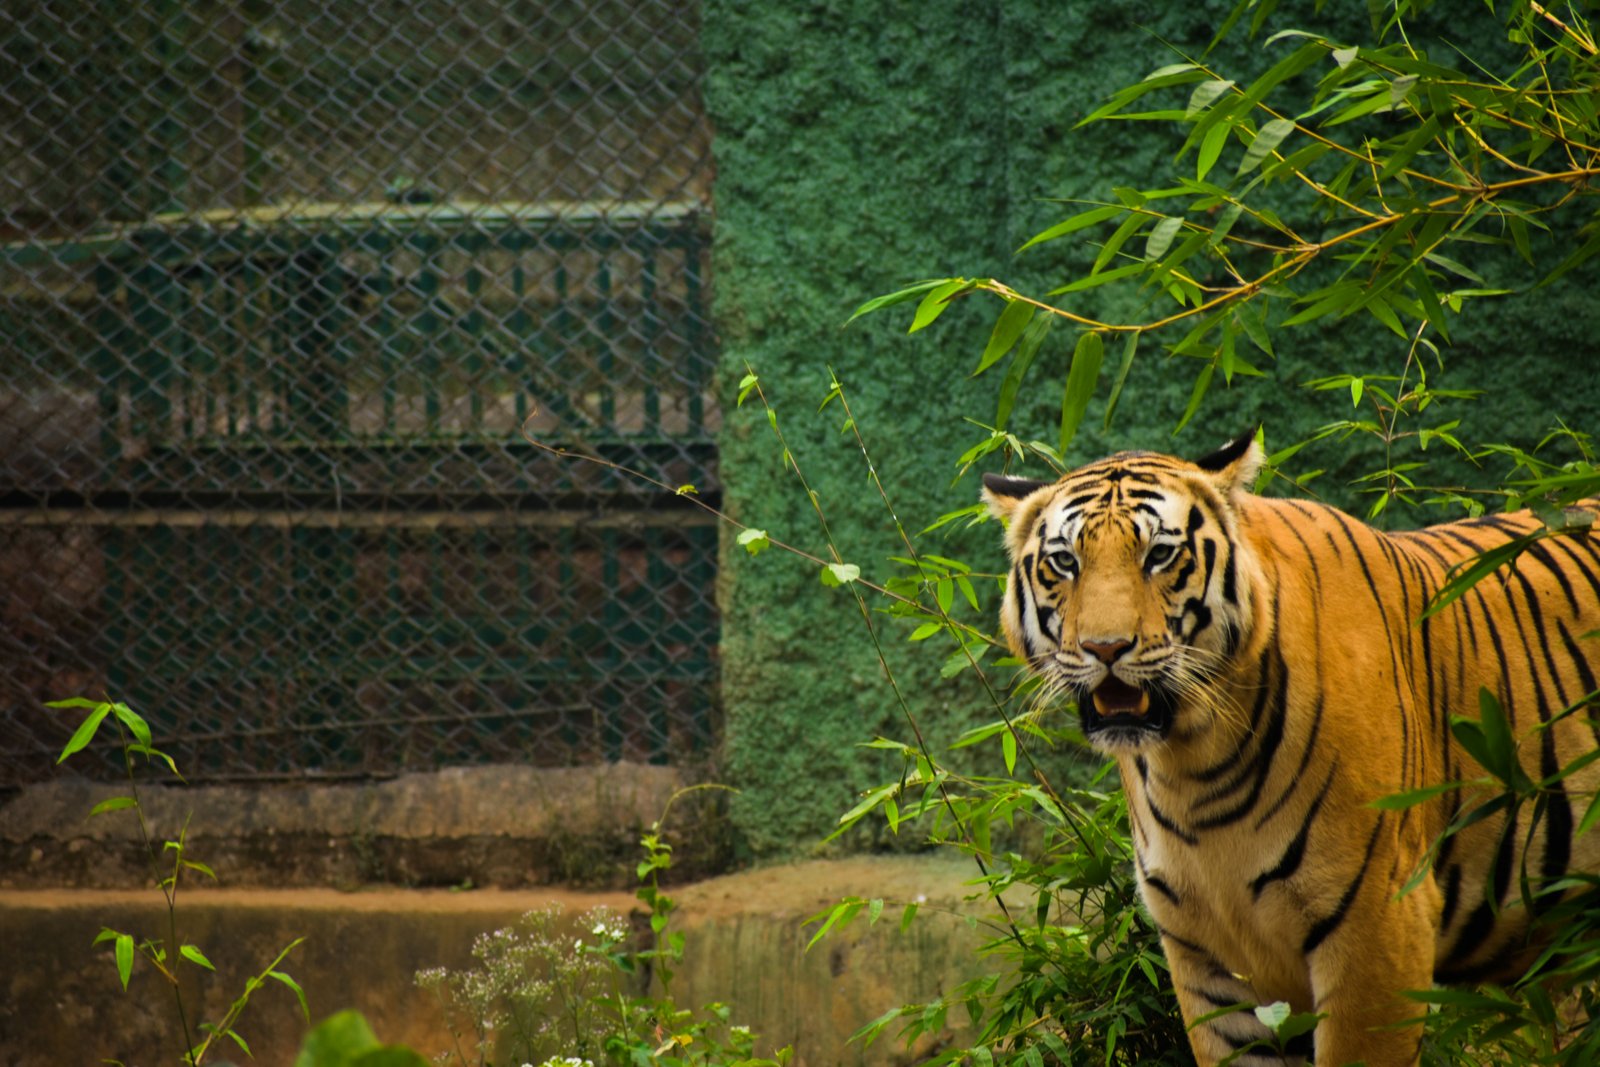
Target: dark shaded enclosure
[[291, 295]]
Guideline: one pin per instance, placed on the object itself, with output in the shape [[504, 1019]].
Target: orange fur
[[1255, 667]]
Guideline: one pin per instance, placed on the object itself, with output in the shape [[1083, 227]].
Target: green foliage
[[1083, 974], [346, 1040], [539, 995], [1394, 177], [169, 863], [1389, 178]]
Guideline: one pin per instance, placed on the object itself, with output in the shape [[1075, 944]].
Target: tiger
[[1256, 669]]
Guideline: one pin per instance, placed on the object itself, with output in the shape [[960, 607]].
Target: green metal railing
[[286, 473]]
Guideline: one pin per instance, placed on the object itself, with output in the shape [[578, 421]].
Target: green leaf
[[836, 574], [1464, 577], [1174, 74], [869, 1033], [300, 994], [908, 915], [1499, 744], [196, 865], [1205, 94], [936, 302], [1080, 221], [1032, 338], [1273, 1015], [1129, 347], [1201, 384], [1255, 328], [898, 297], [1108, 251], [1161, 237], [1270, 137], [1590, 816], [1082, 377], [1101, 277], [235, 1037], [113, 804], [747, 383], [1211, 149], [1224, 223], [346, 1040], [1294, 63], [1007, 329], [194, 955], [85, 732], [135, 724], [1300, 1023], [1412, 797], [1008, 748], [841, 915], [124, 954], [754, 541]]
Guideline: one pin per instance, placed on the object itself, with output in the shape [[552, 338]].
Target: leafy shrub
[[170, 864], [540, 996]]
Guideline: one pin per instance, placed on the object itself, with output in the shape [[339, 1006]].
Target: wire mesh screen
[[286, 287]]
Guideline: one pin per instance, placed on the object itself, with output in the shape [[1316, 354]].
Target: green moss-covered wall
[[862, 145]]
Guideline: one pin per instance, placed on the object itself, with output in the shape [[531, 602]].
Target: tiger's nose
[[1106, 651]]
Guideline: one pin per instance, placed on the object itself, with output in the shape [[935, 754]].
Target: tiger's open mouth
[[1120, 711]]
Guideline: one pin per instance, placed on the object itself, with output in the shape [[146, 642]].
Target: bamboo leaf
[[85, 732], [1007, 329], [113, 804], [1161, 237], [889, 299], [936, 302], [1271, 136], [1082, 377], [1027, 349], [299, 993], [194, 955], [1129, 347], [1201, 384], [1205, 94], [133, 721], [124, 954], [1080, 221], [1211, 149]]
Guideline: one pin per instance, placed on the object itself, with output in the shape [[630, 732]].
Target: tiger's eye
[[1062, 562], [1160, 553]]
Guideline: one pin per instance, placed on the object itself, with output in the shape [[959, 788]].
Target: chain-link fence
[[283, 286]]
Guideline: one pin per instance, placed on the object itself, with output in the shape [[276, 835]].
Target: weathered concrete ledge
[[506, 826], [61, 1003]]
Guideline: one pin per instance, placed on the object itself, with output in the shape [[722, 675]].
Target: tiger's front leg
[[1205, 987], [1360, 969]]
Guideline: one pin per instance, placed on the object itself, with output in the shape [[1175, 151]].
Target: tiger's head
[[1130, 588]]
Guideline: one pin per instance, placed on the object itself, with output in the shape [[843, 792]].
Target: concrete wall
[[508, 827], [865, 144]]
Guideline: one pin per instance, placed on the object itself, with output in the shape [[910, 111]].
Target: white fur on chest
[[1208, 897]]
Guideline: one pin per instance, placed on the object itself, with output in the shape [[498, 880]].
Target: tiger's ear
[[1236, 464], [1005, 495]]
